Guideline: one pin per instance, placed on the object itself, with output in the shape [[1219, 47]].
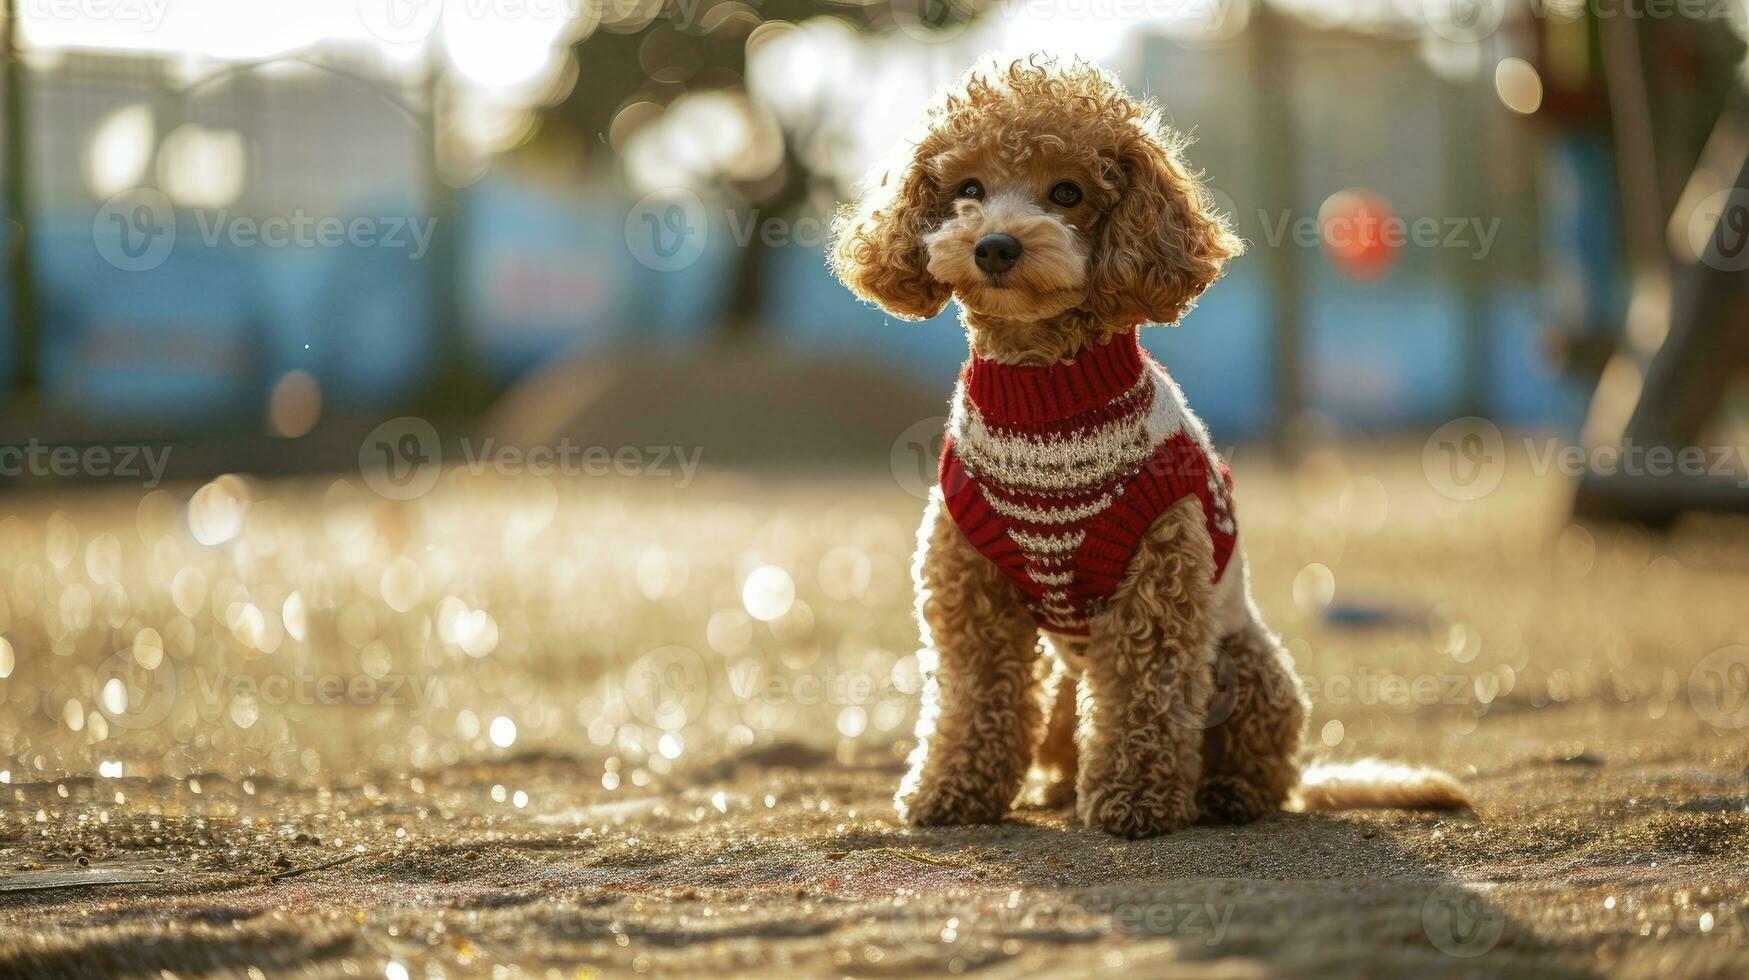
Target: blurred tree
[[656, 51]]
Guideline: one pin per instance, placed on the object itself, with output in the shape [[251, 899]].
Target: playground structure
[[1684, 340]]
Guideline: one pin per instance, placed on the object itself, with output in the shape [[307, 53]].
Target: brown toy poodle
[[1081, 502]]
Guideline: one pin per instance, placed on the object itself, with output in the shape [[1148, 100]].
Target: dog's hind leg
[[981, 717], [1256, 719]]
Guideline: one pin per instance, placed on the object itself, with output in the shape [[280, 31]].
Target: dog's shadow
[[1299, 893]]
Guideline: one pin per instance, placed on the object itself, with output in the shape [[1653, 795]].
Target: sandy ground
[[559, 726]]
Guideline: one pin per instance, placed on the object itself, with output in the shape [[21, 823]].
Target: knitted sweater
[[1055, 473]]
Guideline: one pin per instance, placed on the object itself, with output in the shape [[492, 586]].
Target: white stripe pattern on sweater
[[1078, 461], [1050, 578], [1084, 459], [1047, 544], [1046, 515]]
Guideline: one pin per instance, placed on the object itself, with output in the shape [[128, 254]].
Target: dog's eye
[[1066, 194], [972, 189]]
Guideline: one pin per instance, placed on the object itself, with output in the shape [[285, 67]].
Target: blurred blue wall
[[546, 272]]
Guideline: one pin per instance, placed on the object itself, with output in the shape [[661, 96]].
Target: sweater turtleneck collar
[[1093, 377]]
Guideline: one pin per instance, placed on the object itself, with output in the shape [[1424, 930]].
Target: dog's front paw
[[1133, 814], [943, 805]]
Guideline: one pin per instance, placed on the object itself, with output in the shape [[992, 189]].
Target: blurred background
[[279, 219], [391, 336]]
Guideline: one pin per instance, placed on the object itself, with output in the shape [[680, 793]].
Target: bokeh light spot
[[768, 593]]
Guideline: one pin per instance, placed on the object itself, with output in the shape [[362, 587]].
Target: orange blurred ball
[[1360, 232]]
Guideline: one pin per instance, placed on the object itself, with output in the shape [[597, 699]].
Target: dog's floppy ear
[[1163, 243], [877, 247]]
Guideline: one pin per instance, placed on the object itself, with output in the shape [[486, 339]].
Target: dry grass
[[689, 788]]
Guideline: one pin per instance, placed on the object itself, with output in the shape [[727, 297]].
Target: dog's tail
[[1374, 783]]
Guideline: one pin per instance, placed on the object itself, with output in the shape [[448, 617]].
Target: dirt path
[[596, 758], [1625, 858]]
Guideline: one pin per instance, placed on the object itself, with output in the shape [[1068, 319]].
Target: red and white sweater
[[1055, 473]]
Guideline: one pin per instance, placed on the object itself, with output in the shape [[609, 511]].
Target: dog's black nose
[[997, 253]]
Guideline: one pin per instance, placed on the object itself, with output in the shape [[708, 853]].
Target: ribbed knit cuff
[[1009, 393]]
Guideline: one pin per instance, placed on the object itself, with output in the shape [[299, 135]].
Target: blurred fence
[[197, 334]]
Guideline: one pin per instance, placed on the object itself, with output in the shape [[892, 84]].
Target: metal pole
[[1279, 181], [1469, 148], [455, 387], [20, 277]]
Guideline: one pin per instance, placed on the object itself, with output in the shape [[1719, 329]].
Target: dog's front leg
[[981, 715], [1146, 689]]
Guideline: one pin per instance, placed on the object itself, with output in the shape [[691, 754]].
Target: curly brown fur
[[1251, 747], [981, 714], [1186, 706], [1147, 684]]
